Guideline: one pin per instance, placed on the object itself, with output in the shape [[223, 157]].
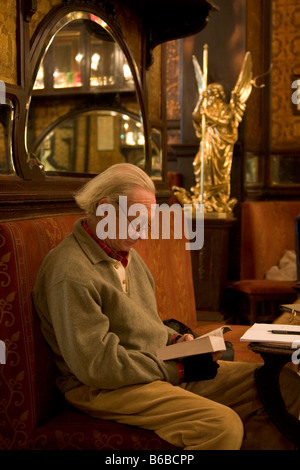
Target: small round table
[[268, 387]]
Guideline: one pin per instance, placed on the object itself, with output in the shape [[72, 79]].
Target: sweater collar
[[121, 256], [87, 244]]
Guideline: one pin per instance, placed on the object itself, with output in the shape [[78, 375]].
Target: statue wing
[[198, 75], [242, 89]]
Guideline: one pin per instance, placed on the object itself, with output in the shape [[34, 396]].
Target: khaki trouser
[[220, 414]]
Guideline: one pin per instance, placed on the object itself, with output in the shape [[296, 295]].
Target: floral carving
[[6, 316], [12, 398], [5, 278]]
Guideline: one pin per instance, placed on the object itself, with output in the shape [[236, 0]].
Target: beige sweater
[[100, 335]]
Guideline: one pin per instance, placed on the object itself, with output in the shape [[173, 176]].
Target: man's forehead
[[142, 196]]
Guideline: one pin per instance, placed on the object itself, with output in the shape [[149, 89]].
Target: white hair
[[118, 180]]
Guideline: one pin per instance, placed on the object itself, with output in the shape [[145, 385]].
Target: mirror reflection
[[285, 169], [84, 54], [92, 141], [84, 114], [6, 120], [156, 147]]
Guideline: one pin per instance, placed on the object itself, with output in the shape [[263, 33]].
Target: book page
[[266, 333], [210, 342], [218, 332]]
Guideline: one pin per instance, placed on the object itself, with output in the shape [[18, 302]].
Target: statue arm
[[222, 118]]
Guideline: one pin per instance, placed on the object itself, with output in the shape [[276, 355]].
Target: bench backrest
[[267, 231], [27, 380]]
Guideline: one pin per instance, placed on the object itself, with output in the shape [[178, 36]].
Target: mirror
[[252, 168], [6, 122], [285, 169], [91, 141], [156, 160], [84, 113]]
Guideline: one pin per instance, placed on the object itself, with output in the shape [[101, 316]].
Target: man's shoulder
[[66, 260], [138, 262], [60, 251]]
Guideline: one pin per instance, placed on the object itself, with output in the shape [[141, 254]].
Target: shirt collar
[[121, 256]]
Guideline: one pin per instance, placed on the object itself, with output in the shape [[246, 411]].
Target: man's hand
[[216, 356], [186, 337]]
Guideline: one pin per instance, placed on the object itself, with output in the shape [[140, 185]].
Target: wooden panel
[[285, 126], [8, 63], [210, 268]]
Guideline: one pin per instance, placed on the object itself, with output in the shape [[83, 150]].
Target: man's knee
[[222, 429], [231, 430]]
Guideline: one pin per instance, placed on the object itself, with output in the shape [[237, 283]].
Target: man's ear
[[104, 200]]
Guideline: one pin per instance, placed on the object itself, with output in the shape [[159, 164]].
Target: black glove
[[199, 367]]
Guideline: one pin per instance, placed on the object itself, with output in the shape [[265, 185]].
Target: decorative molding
[[106, 6], [29, 9], [175, 22]]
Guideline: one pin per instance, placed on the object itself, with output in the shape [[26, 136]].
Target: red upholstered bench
[[33, 414]]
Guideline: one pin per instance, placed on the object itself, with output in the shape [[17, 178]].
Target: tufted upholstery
[[33, 415], [267, 231]]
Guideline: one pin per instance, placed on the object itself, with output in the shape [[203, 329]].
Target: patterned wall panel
[[285, 126], [155, 86], [8, 63], [173, 108], [172, 80]]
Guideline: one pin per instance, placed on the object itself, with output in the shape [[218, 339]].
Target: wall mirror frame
[[7, 113], [88, 140], [27, 187], [44, 36]]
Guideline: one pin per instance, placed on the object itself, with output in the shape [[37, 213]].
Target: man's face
[[138, 196]]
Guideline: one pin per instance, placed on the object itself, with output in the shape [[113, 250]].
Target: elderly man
[[96, 301]]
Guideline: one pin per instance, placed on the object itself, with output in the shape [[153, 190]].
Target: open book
[[273, 333], [210, 342]]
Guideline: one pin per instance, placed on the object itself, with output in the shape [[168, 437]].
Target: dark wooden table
[[268, 386]]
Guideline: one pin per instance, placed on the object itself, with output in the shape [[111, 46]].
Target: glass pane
[[102, 63], [156, 141], [39, 83], [156, 155], [252, 171], [6, 159], [131, 132], [83, 69], [80, 44], [91, 142], [67, 59], [285, 169]]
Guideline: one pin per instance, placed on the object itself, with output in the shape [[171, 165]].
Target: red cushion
[[72, 430], [264, 287]]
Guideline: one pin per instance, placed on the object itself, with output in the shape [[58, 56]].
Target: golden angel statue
[[220, 134]]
